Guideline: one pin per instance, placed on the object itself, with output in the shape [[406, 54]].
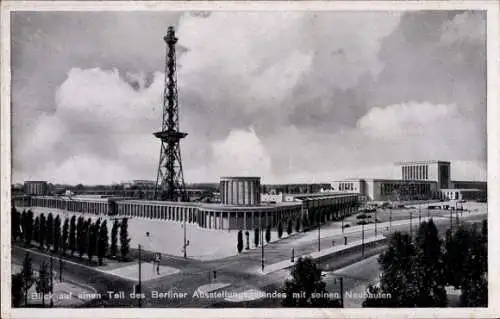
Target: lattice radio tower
[[170, 178]]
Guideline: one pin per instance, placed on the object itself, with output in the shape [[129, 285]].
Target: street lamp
[[390, 217], [341, 283], [363, 238], [419, 216], [376, 222], [262, 242], [411, 224], [139, 288], [186, 242], [51, 278], [342, 220], [319, 230]]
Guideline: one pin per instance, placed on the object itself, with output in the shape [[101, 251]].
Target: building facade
[[35, 188], [215, 216], [243, 191], [419, 180]]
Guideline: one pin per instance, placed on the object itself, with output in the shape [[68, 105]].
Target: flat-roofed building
[[35, 187]]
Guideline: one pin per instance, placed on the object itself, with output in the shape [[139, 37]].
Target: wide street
[[242, 273]]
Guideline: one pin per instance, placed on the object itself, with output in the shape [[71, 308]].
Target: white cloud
[[398, 121], [271, 72], [241, 154], [469, 26]]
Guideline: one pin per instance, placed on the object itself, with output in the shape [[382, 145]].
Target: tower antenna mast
[[170, 178]]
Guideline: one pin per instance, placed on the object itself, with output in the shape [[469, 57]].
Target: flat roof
[[250, 207], [462, 189], [241, 177], [422, 162], [401, 180], [158, 202], [323, 194]]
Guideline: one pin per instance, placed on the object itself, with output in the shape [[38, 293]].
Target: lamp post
[[390, 218], [262, 243], [376, 211], [60, 266], [419, 216], [342, 221], [411, 224], [186, 242], [319, 230], [139, 285], [451, 221], [363, 239], [51, 278], [341, 283]]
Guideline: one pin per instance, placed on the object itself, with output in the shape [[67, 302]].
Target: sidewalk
[[330, 231], [315, 255], [65, 293]]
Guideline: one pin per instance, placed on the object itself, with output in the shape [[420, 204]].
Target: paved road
[[238, 271]]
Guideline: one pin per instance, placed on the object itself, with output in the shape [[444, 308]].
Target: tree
[[305, 222], [91, 238], [280, 230], [399, 279], [27, 274], [65, 236], [50, 230], [102, 245], [72, 239], [268, 234], [247, 235], [42, 231], [124, 239], [81, 236], [240, 242], [456, 250], [57, 234], [474, 292], [256, 236], [29, 227], [17, 289], [474, 284], [297, 225], [23, 221], [43, 284], [306, 288], [289, 228], [114, 239], [15, 223], [430, 267], [374, 302], [36, 229]]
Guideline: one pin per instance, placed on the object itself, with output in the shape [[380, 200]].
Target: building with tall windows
[[242, 206], [419, 180]]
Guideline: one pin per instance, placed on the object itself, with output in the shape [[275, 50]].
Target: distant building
[[240, 208], [36, 188], [419, 180]]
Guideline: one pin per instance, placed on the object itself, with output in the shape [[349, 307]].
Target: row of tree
[[267, 236], [75, 235], [415, 273], [23, 281]]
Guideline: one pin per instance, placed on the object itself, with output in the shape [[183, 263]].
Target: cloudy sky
[[289, 96]]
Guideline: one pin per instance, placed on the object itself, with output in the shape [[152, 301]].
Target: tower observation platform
[[170, 178]]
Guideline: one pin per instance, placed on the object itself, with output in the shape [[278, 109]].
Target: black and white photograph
[[239, 158]]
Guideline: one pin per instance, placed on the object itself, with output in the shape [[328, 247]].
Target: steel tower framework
[[170, 178]]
